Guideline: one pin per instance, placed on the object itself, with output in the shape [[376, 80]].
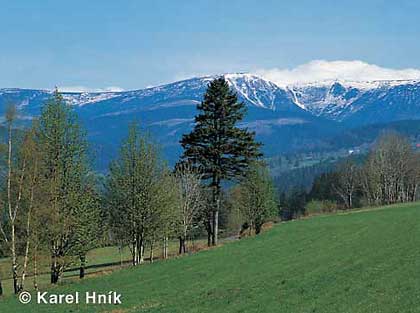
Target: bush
[[320, 206]]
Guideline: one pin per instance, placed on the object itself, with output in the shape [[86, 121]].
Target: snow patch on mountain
[[79, 99], [338, 100], [172, 122]]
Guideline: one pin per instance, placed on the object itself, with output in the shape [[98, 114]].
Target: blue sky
[[134, 44]]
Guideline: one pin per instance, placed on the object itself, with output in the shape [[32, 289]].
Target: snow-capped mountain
[[253, 90], [284, 118], [168, 112], [361, 102], [334, 100]]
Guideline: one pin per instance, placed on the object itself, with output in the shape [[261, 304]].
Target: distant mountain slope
[[168, 112], [284, 118], [367, 134], [358, 103], [299, 169]]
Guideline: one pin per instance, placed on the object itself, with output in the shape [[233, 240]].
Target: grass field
[[99, 260], [366, 261]]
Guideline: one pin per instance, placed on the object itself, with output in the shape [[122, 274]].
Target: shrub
[[320, 206]]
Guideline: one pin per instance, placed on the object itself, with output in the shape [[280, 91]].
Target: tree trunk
[[151, 252], [54, 276], [216, 208], [165, 248], [12, 215], [82, 266], [350, 201], [60, 271], [35, 271], [214, 238], [209, 232], [14, 265], [134, 254], [258, 228], [181, 245], [26, 258], [184, 241], [54, 270], [141, 250], [135, 249]]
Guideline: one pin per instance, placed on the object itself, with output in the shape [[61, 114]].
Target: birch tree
[[13, 199], [87, 225], [390, 174], [257, 197], [29, 151], [189, 181], [347, 182], [164, 210], [131, 189], [63, 171]]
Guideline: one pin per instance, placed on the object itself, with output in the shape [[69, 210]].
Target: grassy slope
[[99, 257], [358, 262]]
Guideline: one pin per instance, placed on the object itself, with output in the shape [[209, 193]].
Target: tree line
[[390, 173], [53, 205]]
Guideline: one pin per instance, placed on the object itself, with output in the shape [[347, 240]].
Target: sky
[[115, 45]]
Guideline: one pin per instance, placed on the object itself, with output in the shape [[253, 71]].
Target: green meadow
[[361, 261]]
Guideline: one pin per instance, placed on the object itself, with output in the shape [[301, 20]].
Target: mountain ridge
[[284, 119], [333, 99]]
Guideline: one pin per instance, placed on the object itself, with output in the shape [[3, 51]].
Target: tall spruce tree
[[217, 146]]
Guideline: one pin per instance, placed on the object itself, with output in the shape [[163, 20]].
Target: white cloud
[[87, 89], [321, 70]]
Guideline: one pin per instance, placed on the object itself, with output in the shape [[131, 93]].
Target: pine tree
[[220, 149]]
